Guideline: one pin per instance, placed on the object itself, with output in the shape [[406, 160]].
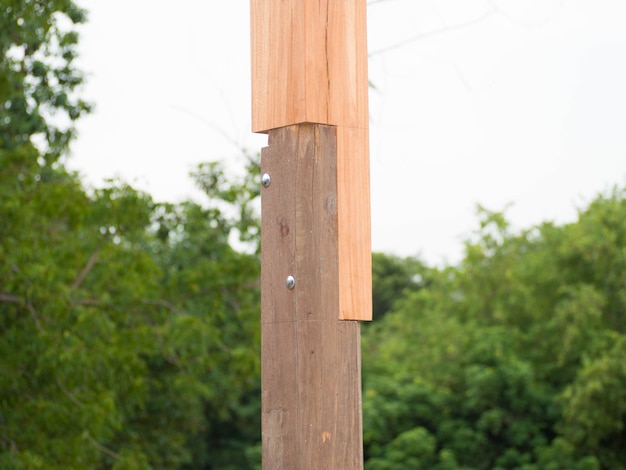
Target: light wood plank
[[309, 63], [354, 224]]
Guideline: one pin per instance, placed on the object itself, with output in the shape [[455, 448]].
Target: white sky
[[524, 103]]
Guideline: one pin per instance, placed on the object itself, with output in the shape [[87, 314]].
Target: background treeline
[[129, 329], [515, 358]]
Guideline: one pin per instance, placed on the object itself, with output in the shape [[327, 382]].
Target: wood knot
[[284, 227], [331, 204]]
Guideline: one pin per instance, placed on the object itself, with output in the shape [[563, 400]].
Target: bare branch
[[11, 299], [524, 24], [101, 448], [435, 32], [14, 299], [33, 315], [86, 270], [86, 302], [374, 2], [162, 303], [69, 394], [212, 126]]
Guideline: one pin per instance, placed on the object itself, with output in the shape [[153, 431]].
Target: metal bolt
[[291, 282], [266, 180]]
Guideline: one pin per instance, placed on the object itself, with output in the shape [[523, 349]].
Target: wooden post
[[309, 87]]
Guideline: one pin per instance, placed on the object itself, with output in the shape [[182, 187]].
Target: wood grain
[[309, 63], [354, 224], [311, 363]]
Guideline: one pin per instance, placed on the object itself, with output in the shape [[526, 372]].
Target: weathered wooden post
[[309, 93]]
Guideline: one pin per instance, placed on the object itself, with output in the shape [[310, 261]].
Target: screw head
[[266, 180], [290, 282]]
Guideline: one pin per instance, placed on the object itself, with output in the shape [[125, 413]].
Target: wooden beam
[[309, 63], [311, 361], [309, 93]]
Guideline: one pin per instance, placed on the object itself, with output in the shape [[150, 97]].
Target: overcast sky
[[490, 102]]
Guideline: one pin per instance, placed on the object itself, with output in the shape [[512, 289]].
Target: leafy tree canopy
[[37, 76], [129, 330], [513, 359]]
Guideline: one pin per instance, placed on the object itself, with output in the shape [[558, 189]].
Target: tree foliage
[[117, 342], [392, 277], [129, 329], [512, 359], [38, 79]]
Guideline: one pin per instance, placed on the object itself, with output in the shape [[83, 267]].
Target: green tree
[[220, 285], [513, 358], [118, 345], [125, 326], [391, 277], [37, 77]]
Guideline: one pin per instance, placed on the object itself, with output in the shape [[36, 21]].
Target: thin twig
[[525, 24], [434, 32], [86, 302], [11, 299], [34, 315], [87, 269], [101, 448], [162, 303], [14, 299], [374, 2], [69, 394], [210, 125]]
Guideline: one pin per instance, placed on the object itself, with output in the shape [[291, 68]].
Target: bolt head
[[290, 282], [266, 180]]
